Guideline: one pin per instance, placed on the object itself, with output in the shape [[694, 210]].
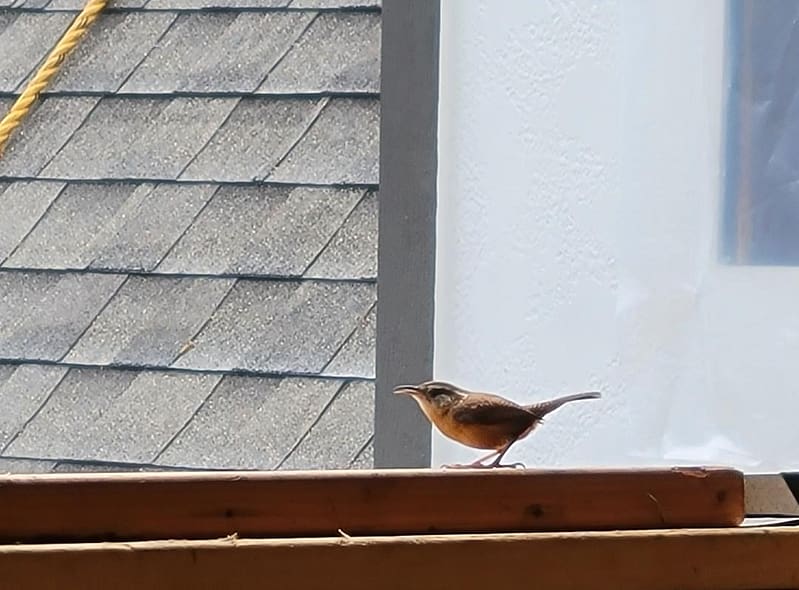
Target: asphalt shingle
[[272, 126], [149, 320], [66, 234], [51, 123], [22, 392], [195, 54], [99, 225], [22, 205], [151, 138], [5, 372], [194, 4], [83, 466], [357, 355], [250, 423], [366, 458], [266, 119], [216, 4], [79, 4], [279, 326], [113, 415], [335, 440], [25, 466], [260, 230], [335, 3], [340, 148], [352, 253], [31, 4], [340, 52], [26, 38], [149, 224], [44, 313], [117, 44]]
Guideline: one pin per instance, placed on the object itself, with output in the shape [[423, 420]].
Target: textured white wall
[[579, 187]]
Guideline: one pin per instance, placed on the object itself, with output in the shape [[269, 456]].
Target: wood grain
[[717, 559], [134, 506]]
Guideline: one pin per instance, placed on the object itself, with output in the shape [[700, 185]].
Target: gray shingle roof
[[93, 68], [327, 445], [242, 423], [23, 390], [188, 237], [352, 252], [352, 66], [31, 36], [195, 55], [26, 465], [23, 204], [339, 148], [49, 126], [44, 313], [282, 231]]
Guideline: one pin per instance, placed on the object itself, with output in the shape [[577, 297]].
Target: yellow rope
[[67, 43]]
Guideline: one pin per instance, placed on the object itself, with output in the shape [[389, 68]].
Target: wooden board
[[292, 504], [714, 559]]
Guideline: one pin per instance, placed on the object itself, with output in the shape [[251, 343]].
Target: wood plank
[[118, 506], [717, 559]]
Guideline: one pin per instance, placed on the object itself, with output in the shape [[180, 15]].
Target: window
[[761, 187]]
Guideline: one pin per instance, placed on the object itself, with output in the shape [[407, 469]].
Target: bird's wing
[[489, 411]]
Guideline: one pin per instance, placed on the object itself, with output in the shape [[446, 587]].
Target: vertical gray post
[[406, 247]]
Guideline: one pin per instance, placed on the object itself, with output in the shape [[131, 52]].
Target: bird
[[482, 420]]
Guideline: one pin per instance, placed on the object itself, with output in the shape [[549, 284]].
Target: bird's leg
[[479, 462], [495, 462]]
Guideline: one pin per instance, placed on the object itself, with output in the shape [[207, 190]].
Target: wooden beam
[[123, 506], [727, 559]]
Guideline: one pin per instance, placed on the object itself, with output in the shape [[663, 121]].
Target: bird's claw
[[517, 465]]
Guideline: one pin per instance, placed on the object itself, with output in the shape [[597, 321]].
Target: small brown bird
[[482, 420]]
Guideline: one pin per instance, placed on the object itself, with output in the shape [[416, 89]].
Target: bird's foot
[[517, 465], [475, 465], [478, 465], [460, 466]]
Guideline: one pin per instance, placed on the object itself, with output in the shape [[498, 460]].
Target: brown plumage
[[482, 420]]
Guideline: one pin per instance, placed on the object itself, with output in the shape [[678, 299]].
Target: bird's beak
[[406, 390]]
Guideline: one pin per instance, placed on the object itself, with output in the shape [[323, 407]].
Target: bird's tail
[[541, 409]]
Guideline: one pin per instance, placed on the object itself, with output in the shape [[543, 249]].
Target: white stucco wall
[[579, 195]]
